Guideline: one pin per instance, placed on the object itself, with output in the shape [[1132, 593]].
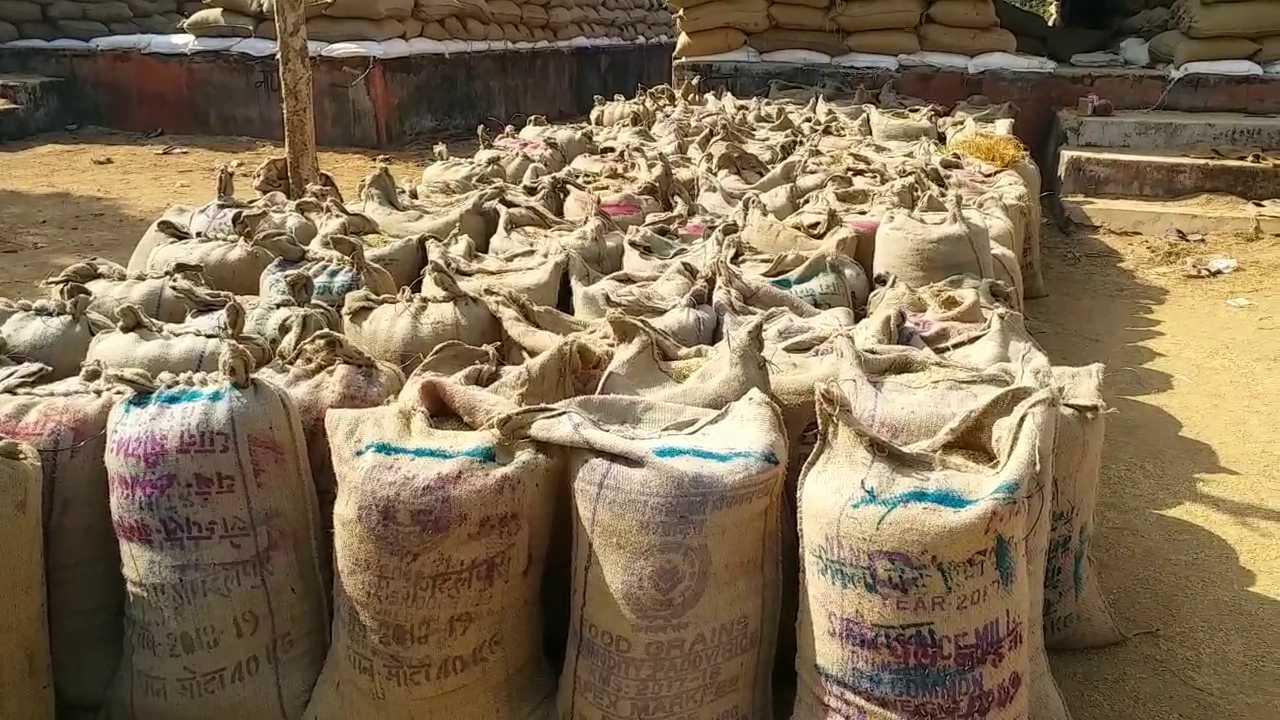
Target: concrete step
[[31, 104], [1150, 174], [1168, 130], [1204, 215]]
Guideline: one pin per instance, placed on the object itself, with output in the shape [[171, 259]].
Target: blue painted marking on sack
[[668, 452], [1081, 557], [177, 397], [481, 453], [1006, 564], [941, 497]]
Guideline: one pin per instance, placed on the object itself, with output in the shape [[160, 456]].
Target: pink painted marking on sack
[[621, 209]]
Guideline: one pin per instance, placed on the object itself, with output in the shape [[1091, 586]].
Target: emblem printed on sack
[[672, 579]]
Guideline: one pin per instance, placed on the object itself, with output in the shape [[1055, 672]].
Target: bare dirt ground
[[1188, 541]]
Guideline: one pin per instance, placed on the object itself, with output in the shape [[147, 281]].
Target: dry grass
[[1002, 151]]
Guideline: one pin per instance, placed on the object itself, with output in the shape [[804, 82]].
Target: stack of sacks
[[717, 26], [85, 20], [964, 27], [1212, 31], [800, 25], [331, 22], [881, 27]]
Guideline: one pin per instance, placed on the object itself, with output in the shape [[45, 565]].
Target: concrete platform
[[1165, 130], [1209, 217], [31, 104], [1148, 174], [359, 102]]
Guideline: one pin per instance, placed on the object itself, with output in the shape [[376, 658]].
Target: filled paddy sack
[[287, 308], [320, 372], [533, 274], [26, 679], [916, 586], [920, 248], [402, 257], [1076, 615], [159, 293], [675, 583], [440, 538], [56, 331], [334, 273], [676, 301], [233, 263], [139, 342], [822, 279], [66, 420], [402, 329], [649, 365], [530, 330], [215, 512]]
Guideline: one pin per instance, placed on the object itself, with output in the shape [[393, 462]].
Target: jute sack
[[898, 125], [321, 372], [440, 539], [215, 512], [18, 11], [927, 551], [66, 422], [370, 9], [675, 301], [158, 293], [665, 581], [402, 329], [862, 15], [291, 311], [1252, 19], [217, 22], [232, 264], [1076, 614], [26, 680], [535, 274], [927, 247], [334, 273], [1270, 51], [799, 17], [883, 42], [329, 29], [1222, 48], [746, 15], [530, 330], [965, 41], [1019, 190], [57, 332], [403, 257], [963, 13], [140, 343], [825, 280], [784, 39], [1006, 249], [706, 377], [8, 32]]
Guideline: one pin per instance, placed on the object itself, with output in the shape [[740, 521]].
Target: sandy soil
[[1189, 527]]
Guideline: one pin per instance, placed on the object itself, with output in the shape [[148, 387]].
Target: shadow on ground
[[42, 233], [1211, 651]]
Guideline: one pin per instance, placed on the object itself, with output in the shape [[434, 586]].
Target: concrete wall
[[359, 102]]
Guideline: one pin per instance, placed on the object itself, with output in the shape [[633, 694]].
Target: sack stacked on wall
[[66, 422], [329, 21], [26, 679], [709, 27], [213, 503], [881, 27], [1207, 31], [964, 27], [85, 20]]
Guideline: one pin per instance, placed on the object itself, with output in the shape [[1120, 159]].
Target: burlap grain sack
[[1076, 614], [217, 22], [107, 11], [530, 330], [677, 595], [1252, 19], [676, 302], [647, 365], [57, 331], [901, 125], [625, 208], [504, 12], [481, 508], [799, 17], [26, 680], [80, 29], [139, 342], [370, 9], [19, 11], [863, 15], [1019, 192], [66, 422], [746, 15], [536, 274], [232, 264], [321, 372], [929, 247], [8, 32], [1163, 46], [403, 257], [965, 41], [335, 273], [437, 10], [876, 557], [883, 42], [825, 279], [402, 329], [329, 29], [159, 293], [215, 511], [38, 31], [784, 39], [963, 13], [1221, 48], [1006, 244], [290, 312]]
